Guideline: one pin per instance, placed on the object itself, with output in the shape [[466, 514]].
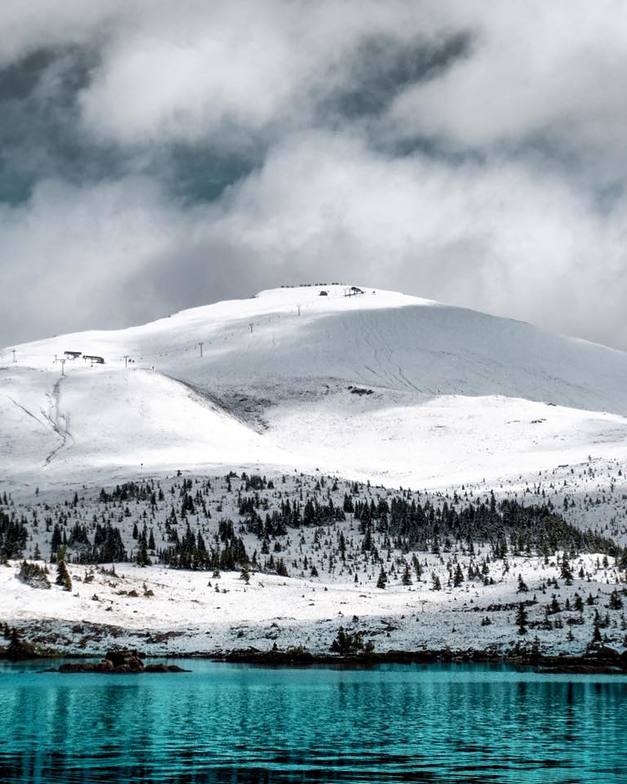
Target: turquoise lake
[[237, 723]]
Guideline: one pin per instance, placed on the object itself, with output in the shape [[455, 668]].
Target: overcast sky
[[156, 155]]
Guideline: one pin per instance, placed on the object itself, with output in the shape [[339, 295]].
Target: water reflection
[[242, 724]]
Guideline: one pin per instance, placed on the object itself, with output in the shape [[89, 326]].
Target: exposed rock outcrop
[[120, 661]]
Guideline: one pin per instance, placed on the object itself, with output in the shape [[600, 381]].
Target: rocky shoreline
[[601, 660]]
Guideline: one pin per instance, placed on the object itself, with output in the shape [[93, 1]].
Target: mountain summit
[[367, 383]]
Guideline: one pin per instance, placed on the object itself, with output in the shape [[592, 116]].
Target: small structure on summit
[[72, 354], [95, 360], [353, 291]]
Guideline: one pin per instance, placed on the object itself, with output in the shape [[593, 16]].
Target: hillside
[[218, 563], [223, 485], [378, 386]]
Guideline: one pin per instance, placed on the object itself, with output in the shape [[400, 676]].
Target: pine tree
[[521, 619], [407, 576], [63, 576], [616, 603], [522, 586], [383, 579], [596, 631], [554, 607], [141, 557], [566, 571]]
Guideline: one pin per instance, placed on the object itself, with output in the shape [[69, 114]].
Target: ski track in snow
[[57, 420], [27, 412]]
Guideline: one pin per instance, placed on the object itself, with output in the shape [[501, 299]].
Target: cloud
[[155, 156], [539, 73], [231, 71], [492, 236], [43, 24], [67, 254]]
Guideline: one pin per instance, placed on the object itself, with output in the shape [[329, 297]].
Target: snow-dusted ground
[[378, 387], [185, 612], [170, 610]]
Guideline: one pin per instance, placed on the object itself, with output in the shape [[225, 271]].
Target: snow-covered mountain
[[377, 385], [308, 389]]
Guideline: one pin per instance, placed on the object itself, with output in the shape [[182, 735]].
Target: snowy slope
[[378, 386]]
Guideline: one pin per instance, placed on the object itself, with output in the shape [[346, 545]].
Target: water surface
[[237, 723]]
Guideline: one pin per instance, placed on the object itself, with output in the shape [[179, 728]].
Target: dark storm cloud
[[155, 156], [380, 67]]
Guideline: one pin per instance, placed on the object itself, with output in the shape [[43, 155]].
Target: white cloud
[[67, 254], [502, 225], [538, 71]]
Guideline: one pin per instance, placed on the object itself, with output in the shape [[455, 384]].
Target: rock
[[76, 667], [164, 668], [120, 661], [607, 654], [119, 657]]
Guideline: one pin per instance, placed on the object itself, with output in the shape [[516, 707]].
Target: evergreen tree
[[596, 631], [616, 603], [141, 557], [554, 607], [63, 576], [566, 571], [521, 619]]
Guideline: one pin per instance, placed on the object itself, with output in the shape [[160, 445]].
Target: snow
[[93, 419], [449, 395], [186, 609]]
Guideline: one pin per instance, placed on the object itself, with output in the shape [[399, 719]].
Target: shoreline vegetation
[[601, 660]]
